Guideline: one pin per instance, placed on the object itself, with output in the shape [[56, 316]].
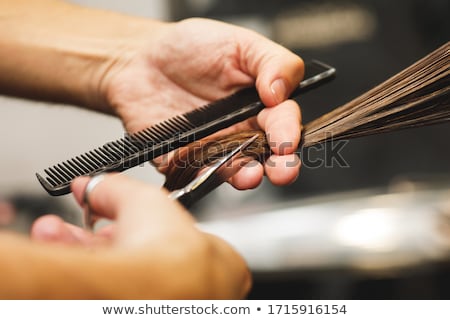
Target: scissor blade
[[214, 175]]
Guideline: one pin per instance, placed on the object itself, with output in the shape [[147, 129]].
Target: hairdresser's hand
[[193, 62], [155, 231], [146, 71]]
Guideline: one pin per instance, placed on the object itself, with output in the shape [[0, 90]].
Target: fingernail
[[278, 89]]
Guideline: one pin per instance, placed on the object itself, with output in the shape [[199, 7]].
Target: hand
[[156, 232], [146, 71], [190, 63]]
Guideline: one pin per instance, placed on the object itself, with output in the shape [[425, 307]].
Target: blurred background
[[378, 227]]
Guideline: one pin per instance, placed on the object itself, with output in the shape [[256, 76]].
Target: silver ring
[[88, 223]]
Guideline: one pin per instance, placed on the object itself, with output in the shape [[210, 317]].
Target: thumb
[[277, 70], [140, 209]]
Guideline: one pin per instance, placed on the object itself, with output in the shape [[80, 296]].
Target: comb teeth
[[111, 156]]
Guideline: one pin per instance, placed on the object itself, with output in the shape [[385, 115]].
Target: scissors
[[211, 178], [214, 175]]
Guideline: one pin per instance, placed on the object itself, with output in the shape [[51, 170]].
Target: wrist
[[59, 52], [108, 52], [105, 44], [129, 65]]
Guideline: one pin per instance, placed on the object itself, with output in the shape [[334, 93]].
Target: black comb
[[168, 135]]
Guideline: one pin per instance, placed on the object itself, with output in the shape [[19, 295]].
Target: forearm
[[40, 271], [55, 51], [37, 271]]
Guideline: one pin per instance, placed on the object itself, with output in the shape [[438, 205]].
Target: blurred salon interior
[[373, 226]]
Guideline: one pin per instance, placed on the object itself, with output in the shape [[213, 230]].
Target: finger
[[276, 69], [282, 126], [248, 177], [282, 170], [107, 202], [51, 228], [107, 232], [142, 210]]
